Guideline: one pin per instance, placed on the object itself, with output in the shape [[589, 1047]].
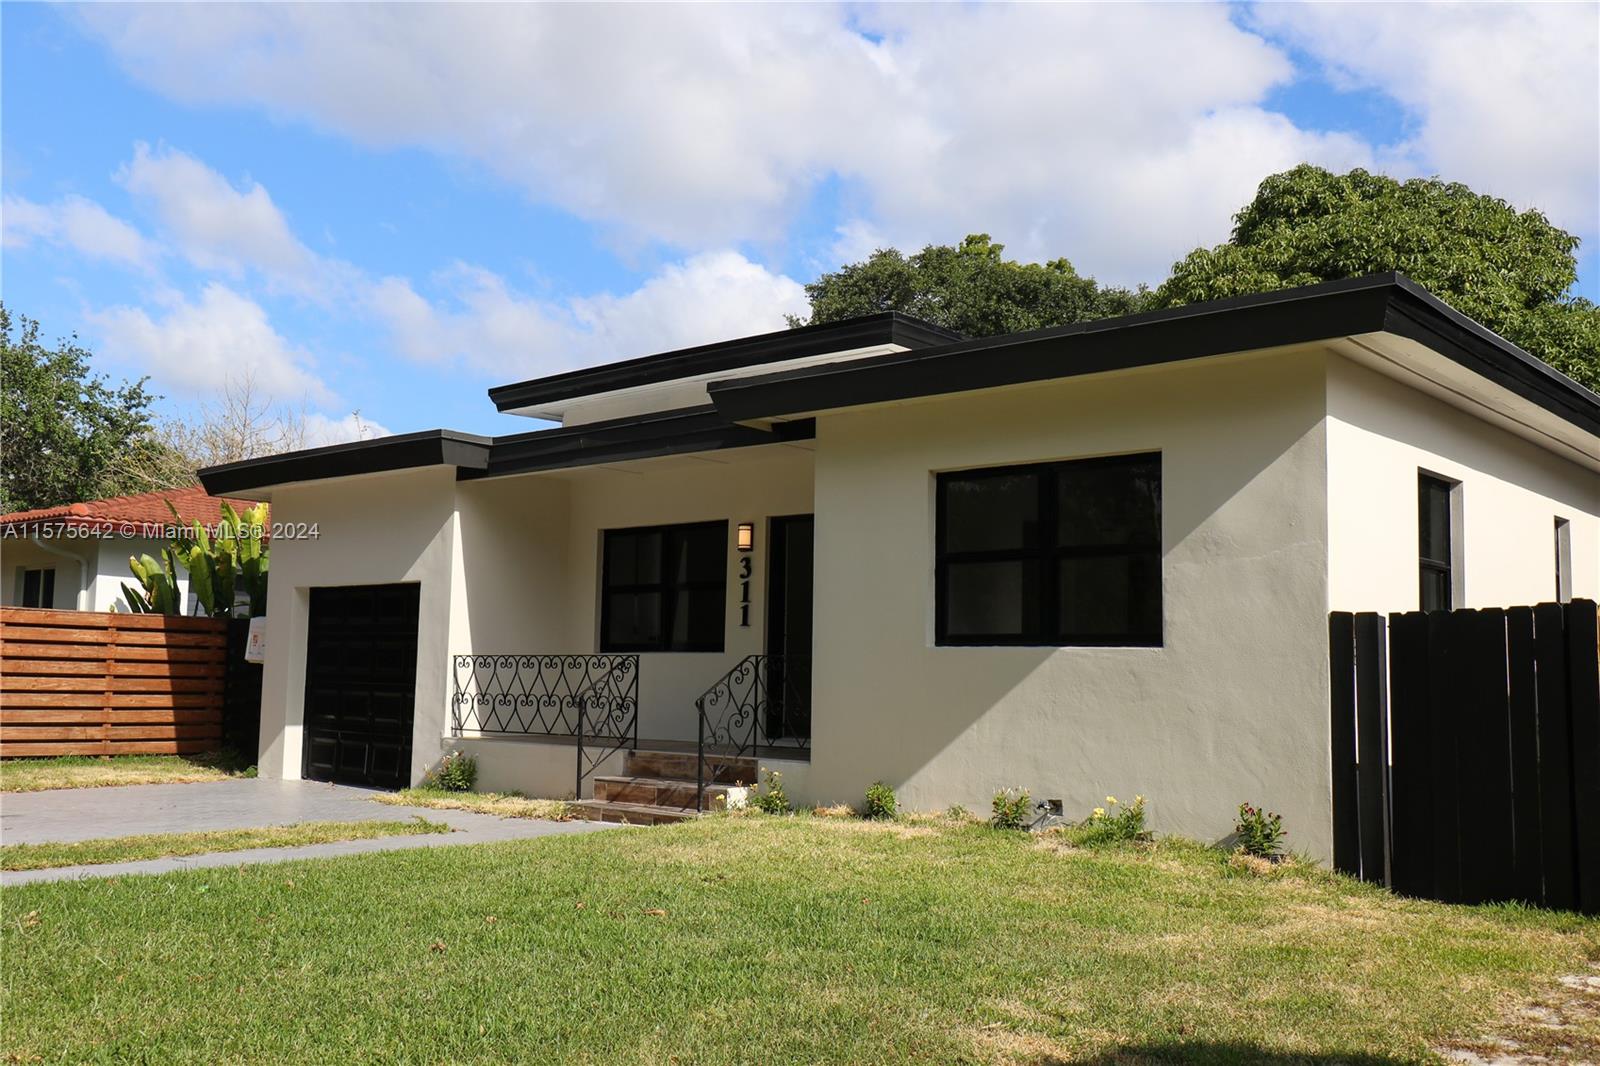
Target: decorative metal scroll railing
[[592, 698], [761, 706]]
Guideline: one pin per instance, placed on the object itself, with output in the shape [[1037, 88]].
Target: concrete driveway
[[64, 815]]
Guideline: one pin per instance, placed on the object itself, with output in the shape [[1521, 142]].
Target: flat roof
[[934, 365], [888, 327], [1380, 303]]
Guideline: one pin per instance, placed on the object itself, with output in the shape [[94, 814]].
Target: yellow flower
[[1111, 800], [1099, 812], [1138, 799]]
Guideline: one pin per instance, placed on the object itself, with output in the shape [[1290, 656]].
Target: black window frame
[[1427, 565], [1047, 555], [44, 592], [668, 591]]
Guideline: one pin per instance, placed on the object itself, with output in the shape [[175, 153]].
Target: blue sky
[[389, 209]]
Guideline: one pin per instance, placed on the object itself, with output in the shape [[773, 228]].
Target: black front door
[[361, 684], [789, 629]]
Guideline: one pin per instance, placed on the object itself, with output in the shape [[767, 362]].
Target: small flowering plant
[[1115, 823], [1260, 832]]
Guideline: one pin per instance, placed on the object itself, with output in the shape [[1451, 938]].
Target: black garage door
[[361, 684]]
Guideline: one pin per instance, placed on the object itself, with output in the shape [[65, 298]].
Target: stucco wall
[[1231, 708], [374, 530], [90, 571], [1380, 433], [747, 485]]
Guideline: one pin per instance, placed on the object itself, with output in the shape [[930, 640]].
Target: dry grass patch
[[499, 804], [167, 845], [100, 771]]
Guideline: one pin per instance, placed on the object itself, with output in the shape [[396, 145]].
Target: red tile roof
[[144, 515]]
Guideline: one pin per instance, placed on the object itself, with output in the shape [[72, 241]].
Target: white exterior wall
[[90, 571], [1380, 435], [1232, 708], [375, 530]]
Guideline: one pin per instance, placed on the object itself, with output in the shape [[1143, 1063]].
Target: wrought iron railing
[[592, 698], [761, 706]]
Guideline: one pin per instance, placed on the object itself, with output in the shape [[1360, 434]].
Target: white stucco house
[[1085, 560], [75, 557]]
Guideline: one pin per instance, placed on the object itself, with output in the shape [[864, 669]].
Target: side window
[[38, 588], [1051, 554], [1439, 542], [664, 588]]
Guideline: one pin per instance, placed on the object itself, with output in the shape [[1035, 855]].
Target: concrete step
[[628, 813], [660, 791], [682, 766]]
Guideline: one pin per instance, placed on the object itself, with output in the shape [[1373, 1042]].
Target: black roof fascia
[[434, 447], [695, 429], [888, 327], [1416, 313], [1379, 303]]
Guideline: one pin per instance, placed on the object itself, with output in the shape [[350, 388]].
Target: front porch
[[523, 715]]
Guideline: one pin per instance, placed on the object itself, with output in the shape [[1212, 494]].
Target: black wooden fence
[[1466, 753]]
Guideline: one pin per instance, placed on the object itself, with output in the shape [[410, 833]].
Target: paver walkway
[[64, 815]]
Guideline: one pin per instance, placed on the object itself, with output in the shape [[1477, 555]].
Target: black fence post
[[1555, 757], [1527, 834], [1411, 760], [1342, 722], [1583, 689], [241, 695], [1372, 744]]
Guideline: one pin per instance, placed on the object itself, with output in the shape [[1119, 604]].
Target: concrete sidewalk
[[64, 815]]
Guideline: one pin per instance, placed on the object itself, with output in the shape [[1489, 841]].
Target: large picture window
[[1051, 553], [664, 588]]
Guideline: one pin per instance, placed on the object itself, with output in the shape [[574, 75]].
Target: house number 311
[[744, 592]]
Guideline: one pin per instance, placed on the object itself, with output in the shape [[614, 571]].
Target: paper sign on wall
[[255, 646]]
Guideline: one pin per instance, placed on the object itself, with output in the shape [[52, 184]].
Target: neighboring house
[[1096, 559], [75, 557]]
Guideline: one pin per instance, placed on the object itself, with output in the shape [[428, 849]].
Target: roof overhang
[[551, 397], [1384, 303], [434, 447]]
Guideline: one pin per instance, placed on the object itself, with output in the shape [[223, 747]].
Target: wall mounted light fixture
[[747, 536]]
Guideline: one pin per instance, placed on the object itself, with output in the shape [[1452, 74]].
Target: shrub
[[1115, 823], [958, 813], [1260, 832], [771, 799], [880, 801], [1012, 807], [456, 772]]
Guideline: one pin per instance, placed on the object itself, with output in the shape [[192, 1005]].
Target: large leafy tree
[[971, 288], [63, 430], [1508, 269]]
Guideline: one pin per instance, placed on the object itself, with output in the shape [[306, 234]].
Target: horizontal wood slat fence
[[1466, 753], [93, 683]]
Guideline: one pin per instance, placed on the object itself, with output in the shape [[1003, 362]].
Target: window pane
[[47, 589], [988, 513], [1110, 597], [698, 554], [1101, 503], [633, 619], [1433, 520], [1435, 588], [30, 587], [622, 566], [697, 619], [998, 599]]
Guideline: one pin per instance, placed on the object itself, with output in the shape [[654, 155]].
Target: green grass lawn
[[161, 845], [763, 940], [96, 771]]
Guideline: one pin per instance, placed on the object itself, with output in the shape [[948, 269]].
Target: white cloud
[[1119, 135], [1504, 95], [323, 430], [79, 224], [481, 321], [219, 227], [197, 347]]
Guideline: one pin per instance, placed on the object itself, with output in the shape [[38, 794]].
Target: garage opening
[[361, 684]]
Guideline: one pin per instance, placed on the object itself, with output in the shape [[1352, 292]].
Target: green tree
[[62, 429], [1508, 269], [970, 288]]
